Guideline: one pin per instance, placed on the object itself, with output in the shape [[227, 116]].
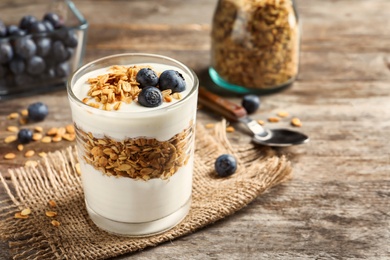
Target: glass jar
[[255, 45], [136, 162]]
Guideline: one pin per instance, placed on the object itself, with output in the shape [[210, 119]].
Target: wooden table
[[337, 206]]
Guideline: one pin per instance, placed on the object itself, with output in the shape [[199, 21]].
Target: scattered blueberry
[[150, 97], [225, 165], [25, 47], [37, 111], [43, 46], [6, 52], [3, 29], [54, 19], [251, 103], [35, 65], [25, 135], [171, 79], [146, 77], [26, 22], [17, 66]]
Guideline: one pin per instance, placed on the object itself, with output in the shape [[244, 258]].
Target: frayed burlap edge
[[56, 179]]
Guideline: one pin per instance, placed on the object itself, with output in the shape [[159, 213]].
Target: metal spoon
[[233, 112]]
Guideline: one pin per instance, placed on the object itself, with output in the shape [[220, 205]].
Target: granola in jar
[[255, 45]]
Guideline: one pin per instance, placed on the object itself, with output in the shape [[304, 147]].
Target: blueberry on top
[[146, 77], [150, 97], [25, 135], [225, 165], [251, 103], [171, 79], [37, 111]]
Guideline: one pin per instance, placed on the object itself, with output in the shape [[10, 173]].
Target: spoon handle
[[229, 110]]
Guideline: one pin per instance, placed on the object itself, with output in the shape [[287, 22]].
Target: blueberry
[[27, 21], [59, 52], [25, 136], [6, 52], [37, 111], [62, 70], [17, 66], [25, 47], [35, 65], [71, 39], [61, 34], [171, 79], [150, 97], [70, 51], [49, 74], [146, 77], [49, 26], [3, 29], [13, 30], [43, 46], [251, 103], [54, 19], [225, 165], [38, 27]]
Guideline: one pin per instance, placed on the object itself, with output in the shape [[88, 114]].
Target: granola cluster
[[255, 43], [137, 158], [109, 91]]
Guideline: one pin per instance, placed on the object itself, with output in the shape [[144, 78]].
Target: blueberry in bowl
[[39, 49]]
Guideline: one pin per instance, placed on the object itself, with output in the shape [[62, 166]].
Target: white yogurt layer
[[124, 199], [134, 120], [135, 201]]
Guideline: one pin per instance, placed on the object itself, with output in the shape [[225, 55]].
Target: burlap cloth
[[78, 238]]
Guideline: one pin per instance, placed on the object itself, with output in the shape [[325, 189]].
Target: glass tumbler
[[136, 162]]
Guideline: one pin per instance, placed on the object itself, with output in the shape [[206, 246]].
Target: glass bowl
[[37, 60]]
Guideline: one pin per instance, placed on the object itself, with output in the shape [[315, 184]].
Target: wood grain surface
[[337, 206]]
